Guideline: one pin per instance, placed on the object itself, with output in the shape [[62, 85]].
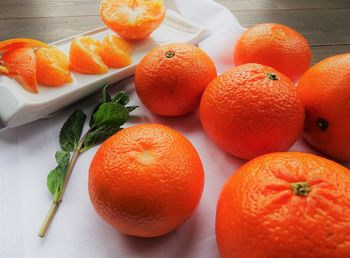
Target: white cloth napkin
[[27, 155]]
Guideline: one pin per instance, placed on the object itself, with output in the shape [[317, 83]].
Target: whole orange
[[325, 91], [252, 110], [274, 45], [146, 180], [170, 79], [285, 205]]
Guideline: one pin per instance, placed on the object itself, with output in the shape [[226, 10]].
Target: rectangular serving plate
[[18, 106]]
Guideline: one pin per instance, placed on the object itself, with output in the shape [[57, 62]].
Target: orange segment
[[52, 67], [115, 51], [3, 70], [22, 66], [84, 56], [10, 44], [132, 19]]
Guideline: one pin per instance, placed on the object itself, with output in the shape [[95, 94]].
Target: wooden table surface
[[325, 23]]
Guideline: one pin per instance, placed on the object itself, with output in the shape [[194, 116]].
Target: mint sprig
[[106, 119]]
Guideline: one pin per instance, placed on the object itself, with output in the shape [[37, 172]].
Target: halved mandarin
[[52, 67], [21, 65], [84, 56], [115, 51], [132, 19], [11, 44]]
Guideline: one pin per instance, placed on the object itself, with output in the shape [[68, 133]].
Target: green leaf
[[110, 114], [98, 136], [105, 97], [121, 97], [131, 108], [71, 131], [55, 179]]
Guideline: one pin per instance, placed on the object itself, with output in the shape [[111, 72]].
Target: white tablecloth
[[27, 155]]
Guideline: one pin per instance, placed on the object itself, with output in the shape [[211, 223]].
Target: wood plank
[[321, 52], [284, 4], [11, 9], [320, 27]]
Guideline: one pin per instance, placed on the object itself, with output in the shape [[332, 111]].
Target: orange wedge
[[84, 56], [115, 51], [3, 70], [52, 67], [21, 65], [132, 19], [10, 44]]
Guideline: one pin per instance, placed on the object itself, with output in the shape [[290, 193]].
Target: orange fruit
[[84, 56], [115, 51], [146, 180], [3, 69], [325, 92], [285, 205], [21, 65], [11, 44], [171, 78], [274, 45], [251, 110], [52, 67], [132, 19]]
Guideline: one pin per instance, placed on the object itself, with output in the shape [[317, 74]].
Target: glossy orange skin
[[173, 85], [132, 19], [52, 67], [146, 180], [247, 114], [21, 65], [259, 216], [325, 91], [274, 45]]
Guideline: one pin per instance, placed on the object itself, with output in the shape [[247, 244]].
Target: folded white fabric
[[223, 29], [27, 155]]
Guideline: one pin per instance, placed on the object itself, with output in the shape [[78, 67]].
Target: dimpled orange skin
[[132, 19], [274, 45], [248, 114], [325, 91], [146, 180], [260, 216], [170, 79]]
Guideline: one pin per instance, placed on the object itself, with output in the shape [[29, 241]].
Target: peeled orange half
[[84, 56], [132, 19], [11, 44], [115, 51], [52, 67], [21, 65]]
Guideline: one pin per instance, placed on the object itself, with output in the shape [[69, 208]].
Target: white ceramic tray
[[17, 106]]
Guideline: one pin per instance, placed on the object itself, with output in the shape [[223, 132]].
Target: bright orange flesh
[[274, 45], [132, 19], [11, 44], [170, 79], [115, 52], [21, 65], [146, 180], [325, 92], [52, 67], [285, 205], [84, 56], [251, 110]]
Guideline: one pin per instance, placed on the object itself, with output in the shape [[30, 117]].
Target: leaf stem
[[56, 203]]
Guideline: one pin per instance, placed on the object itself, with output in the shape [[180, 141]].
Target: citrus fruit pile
[[144, 182]]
